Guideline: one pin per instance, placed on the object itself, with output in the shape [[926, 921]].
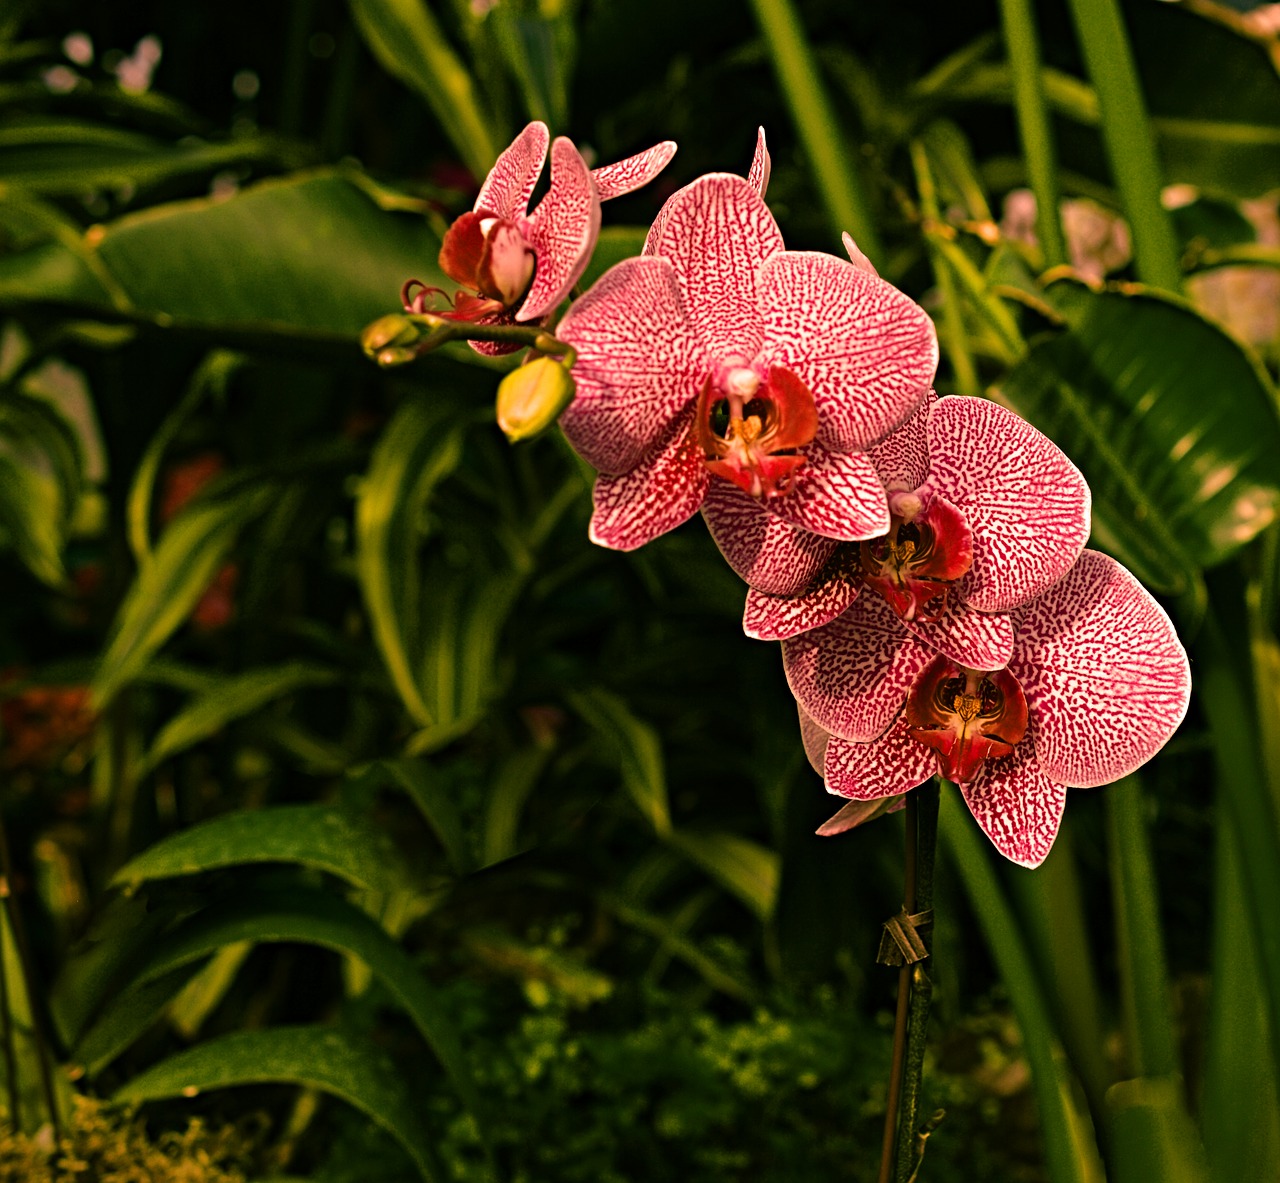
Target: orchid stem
[[403, 337], [915, 992]]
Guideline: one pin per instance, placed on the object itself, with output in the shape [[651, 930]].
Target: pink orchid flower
[[1096, 684], [720, 365], [986, 513], [516, 266]]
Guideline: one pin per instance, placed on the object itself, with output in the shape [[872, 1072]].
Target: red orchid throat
[[750, 432], [929, 546], [966, 716]]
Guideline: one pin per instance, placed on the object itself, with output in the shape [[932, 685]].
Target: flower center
[[488, 255], [929, 546], [750, 431], [966, 716]]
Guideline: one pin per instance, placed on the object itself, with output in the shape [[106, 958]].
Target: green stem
[[921, 983], [1033, 123], [1140, 949], [398, 338], [1224, 694], [1129, 139], [994, 916], [834, 169], [6, 1035]]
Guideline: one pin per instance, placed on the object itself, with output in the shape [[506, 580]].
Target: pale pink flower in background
[[1097, 238], [721, 367], [986, 513], [516, 266], [1096, 684]]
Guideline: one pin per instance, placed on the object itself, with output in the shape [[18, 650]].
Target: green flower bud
[[395, 333], [531, 398]]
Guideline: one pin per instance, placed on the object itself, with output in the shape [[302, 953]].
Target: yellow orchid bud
[[531, 398]]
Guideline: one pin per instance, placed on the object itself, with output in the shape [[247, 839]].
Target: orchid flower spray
[[985, 514], [515, 266], [719, 366], [1095, 684]]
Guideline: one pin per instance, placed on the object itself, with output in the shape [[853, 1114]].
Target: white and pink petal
[[852, 675], [775, 618], [1018, 807], [718, 232], [902, 459], [772, 555], [1026, 503], [978, 640], [625, 176], [856, 813], [1106, 679], [562, 231], [659, 494], [866, 351], [509, 185], [761, 165], [639, 363], [835, 494], [889, 766]]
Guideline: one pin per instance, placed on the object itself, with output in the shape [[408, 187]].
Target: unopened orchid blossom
[[1096, 683], [720, 365], [515, 266], [986, 513]]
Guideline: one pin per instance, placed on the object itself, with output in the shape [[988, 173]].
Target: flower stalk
[[403, 337]]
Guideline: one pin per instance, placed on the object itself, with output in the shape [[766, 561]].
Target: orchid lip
[[751, 431], [929, 547], [966, 716]]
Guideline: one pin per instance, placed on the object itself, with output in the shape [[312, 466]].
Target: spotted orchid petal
[[814, 740], [978, 640], [562, 231], [761, 165], [624, 176], [1017, 805], [718, 232], [856, 257], [835, 494], [885, 767], [766, 551], [657, 495], [866, 351], [902, 459], [1026, 503], [775, 618], [853, 674], [506, 190], [639, 363], [1106, 679], [855, 813]]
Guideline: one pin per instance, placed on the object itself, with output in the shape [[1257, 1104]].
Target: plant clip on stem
[[906, 943]]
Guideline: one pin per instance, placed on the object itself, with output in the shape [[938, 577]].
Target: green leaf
[[30, 512], [1173, 425], [310, 257], [325, 837], [1152, 1136], [745, 868], [126, 1018], [637, 748], [419, 448], [194, 546], [614, 244], [538, 49], [331, 1060], [232, 698], [436, 805], [405, 38], [323, 919]]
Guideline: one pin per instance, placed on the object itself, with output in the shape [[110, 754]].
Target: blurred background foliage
[[339, 767]]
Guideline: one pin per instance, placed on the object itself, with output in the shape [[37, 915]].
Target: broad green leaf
[[327, 838], [419, 448], [230, 699], [614, 244], [405, 37], [1152, 1136], [323, 919], [192, 549], [512, 783], [436, 805], [310, 257], [127, 1016], [30, 512], [32, 420], [537, 43], [1173, 425], [329, 1059], [745, 868], [637, 748]]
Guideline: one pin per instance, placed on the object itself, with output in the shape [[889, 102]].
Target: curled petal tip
[[856, 257]]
